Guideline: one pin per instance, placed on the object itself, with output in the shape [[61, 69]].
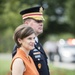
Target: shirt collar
[[36, 39]]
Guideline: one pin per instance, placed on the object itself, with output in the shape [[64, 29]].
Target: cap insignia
[[41, 9]]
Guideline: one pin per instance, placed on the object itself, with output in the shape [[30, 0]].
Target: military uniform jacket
[[40, 59]]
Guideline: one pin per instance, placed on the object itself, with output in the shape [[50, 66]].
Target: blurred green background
[[59, 23], [59, 20]]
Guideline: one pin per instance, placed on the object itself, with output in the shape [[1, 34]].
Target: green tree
[[55, 20], [69, 14]]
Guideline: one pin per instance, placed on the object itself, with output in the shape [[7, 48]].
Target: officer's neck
[[36, 39]]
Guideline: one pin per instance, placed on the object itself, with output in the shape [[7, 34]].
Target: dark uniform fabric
[[39, 57], [14, 50]]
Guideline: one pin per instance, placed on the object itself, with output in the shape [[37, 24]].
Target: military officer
[[34, 18]]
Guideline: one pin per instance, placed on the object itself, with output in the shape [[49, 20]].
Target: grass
[[5, 69], [59, 71]]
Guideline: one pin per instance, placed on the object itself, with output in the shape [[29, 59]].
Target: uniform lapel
[[39, 47]]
